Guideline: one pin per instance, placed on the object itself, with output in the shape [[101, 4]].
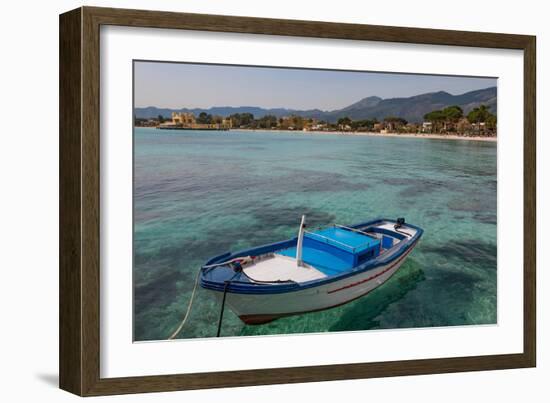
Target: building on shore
[[427, 127], [187, 121], [183, 118]]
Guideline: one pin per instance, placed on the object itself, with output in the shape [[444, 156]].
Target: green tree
[[235, 119], [395, 121], [204, 118], [247, 118], [480, 115], [491, 123], [436, 118], [267, 122], [241, 119], [297, 122], [343, 122], [453, 113], [365, 124]]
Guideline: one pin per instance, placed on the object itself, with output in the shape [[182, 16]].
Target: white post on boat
[[300, 242]]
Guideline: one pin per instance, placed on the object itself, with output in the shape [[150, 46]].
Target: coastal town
[[449, 121]]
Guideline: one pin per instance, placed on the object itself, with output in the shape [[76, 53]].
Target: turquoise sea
[[199, 194]]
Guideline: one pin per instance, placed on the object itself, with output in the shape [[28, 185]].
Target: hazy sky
[[181, 85]]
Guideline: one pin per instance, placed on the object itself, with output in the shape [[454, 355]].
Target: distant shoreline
[[351, 133], [376, 134]]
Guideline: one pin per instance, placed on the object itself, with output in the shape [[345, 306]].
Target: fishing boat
[[314, 271]]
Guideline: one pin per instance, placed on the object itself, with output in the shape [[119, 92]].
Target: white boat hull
[[263, 308]]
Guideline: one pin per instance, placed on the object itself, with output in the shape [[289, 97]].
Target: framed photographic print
[[249, 201]]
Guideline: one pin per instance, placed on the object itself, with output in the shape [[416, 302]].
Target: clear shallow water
[[199, 194]]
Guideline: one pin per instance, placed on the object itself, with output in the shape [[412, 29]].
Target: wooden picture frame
[[79, 200]]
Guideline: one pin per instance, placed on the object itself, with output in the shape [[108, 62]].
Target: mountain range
[[411, 108]]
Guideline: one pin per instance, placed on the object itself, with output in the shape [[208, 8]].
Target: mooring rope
[[222, 308], [178, 330]]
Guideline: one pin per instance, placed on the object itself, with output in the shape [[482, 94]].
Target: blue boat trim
[[216, 278]]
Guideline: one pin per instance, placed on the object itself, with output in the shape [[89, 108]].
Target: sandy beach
[[375, 134]]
